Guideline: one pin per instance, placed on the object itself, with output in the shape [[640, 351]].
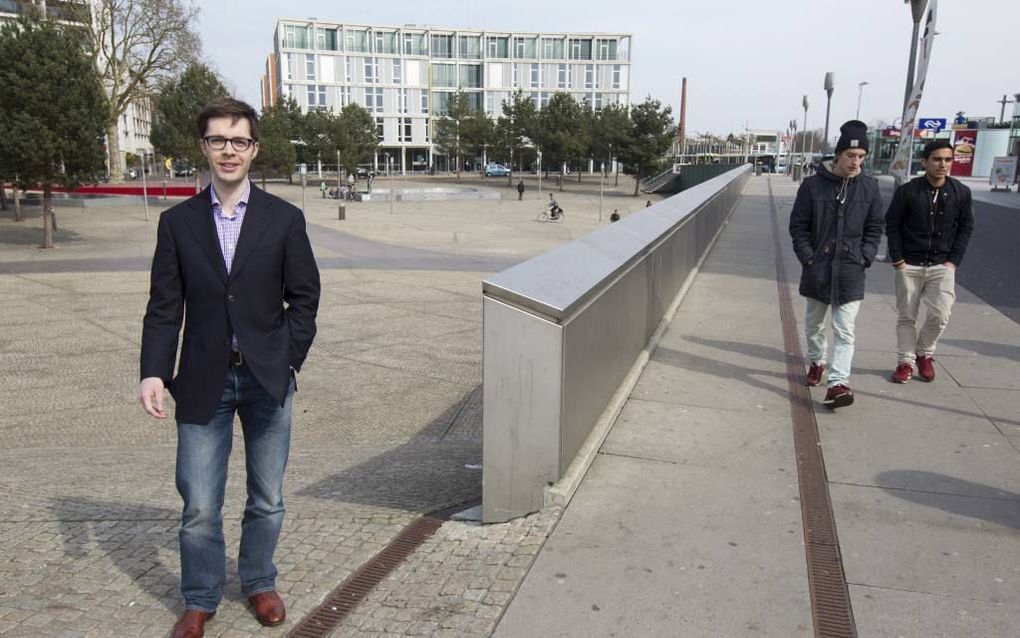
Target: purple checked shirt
[[228, 229]]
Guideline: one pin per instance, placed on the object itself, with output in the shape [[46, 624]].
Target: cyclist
[[554, 208]]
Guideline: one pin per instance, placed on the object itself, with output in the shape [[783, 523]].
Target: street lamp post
[[145, 189], [860, 92], [803, 143], [791, 151], [829, 85]]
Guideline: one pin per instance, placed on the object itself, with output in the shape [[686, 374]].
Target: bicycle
[[546, 216]]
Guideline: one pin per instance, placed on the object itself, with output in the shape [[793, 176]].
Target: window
[[326, 39], [561, 76], [427, 132], [598, 101], [414, 44], [442, 46], [347, 69], [402, 100], [288, 69], [492, 104], [316, 98], [371, 70], [534, 76], [497, 47], [380, 129], [397, 72], [357, 40], [405, 129], [580, 49], [471, 76], [543, 99], [439, 101], [552, 48], [444, 75], [616, 76], [589, 76], [525, 48], [606, 49], [425, 102], [310, 67], [345, 96], [469, 46], [385, 42], [516, 75], [374, 100], [297, 36]]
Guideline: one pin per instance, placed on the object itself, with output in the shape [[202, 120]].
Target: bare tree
[[134, 45]]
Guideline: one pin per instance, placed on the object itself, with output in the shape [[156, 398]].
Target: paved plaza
[[686, 524]]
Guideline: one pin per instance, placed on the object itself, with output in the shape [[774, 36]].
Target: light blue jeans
[[843, 318], [202, 454]]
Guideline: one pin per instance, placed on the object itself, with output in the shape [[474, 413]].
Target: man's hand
[[150, 395], [950, 265]]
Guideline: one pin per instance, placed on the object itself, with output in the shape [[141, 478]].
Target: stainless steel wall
[[562, 330]]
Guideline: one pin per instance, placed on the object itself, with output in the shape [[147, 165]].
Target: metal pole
[[917, 10], [829, 77], [342, 212], [860, 93], [602, 182], [145, 189], [538, 156], [392, 194]]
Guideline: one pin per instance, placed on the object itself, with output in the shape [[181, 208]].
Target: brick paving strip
[[830, 597]]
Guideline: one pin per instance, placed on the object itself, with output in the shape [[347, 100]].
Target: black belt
[[236, 358]]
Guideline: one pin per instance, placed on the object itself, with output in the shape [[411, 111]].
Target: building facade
[[405, 75]]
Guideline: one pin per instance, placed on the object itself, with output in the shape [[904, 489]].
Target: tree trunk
[[47, 214], [3, 195], [18, 216], [113, 147], [198, 181], [637, 183]]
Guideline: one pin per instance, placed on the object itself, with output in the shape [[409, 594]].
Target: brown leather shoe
[[269, 608], [192, 624]]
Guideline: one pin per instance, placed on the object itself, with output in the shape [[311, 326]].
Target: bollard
[[343, 212], [164, 189]]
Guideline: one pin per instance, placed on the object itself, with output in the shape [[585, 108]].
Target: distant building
[[135, 124], [405, 75], [270, 84]]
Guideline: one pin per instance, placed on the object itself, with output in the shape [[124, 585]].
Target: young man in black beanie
[[928, 226], [836, 226]]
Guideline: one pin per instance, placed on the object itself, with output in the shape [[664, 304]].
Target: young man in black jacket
[[836, 226], [928, 226]]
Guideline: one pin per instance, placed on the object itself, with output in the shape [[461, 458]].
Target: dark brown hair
[[229, 107]]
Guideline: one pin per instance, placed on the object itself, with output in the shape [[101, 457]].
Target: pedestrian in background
[[520, 190], [928, 225], [836, 227]]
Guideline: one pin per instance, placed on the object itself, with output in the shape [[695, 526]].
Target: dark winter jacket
[[836, 226], [925, 227]]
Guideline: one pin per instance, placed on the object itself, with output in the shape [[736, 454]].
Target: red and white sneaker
[[926, 368], [903, 373], [838, 396], [814, 375]]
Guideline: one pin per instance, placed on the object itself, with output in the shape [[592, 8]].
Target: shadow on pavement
[[956, 496], [986, 348], [131, 536], [439, 467]]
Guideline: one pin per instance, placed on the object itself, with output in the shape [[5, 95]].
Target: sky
[[747, 62]]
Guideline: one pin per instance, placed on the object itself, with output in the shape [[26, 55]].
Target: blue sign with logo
[[931, 123]]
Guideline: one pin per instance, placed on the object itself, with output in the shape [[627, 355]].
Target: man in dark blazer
[[235, 261]]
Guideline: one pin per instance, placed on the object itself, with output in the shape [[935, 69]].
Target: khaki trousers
[[936, 287]]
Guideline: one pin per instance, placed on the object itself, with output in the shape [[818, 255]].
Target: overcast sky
[[747, 62]]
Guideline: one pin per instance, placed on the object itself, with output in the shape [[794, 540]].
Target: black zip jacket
[[926, 229], [836, 227]]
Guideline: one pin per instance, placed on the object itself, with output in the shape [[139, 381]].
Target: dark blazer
[[835, 242], [269, 301]]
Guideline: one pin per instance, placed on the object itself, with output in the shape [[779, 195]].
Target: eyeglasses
[[218, 143]]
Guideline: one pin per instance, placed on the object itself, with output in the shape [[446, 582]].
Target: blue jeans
[[202, 454], [843, 318]]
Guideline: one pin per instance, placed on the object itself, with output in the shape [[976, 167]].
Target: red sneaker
[[838, 396], [903, 373], [814, 375], [926, 368]]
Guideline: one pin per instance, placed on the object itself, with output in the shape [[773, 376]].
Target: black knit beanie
[[853, 134]]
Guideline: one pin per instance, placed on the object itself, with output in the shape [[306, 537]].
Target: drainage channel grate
[[348, 594], [830, 599]]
